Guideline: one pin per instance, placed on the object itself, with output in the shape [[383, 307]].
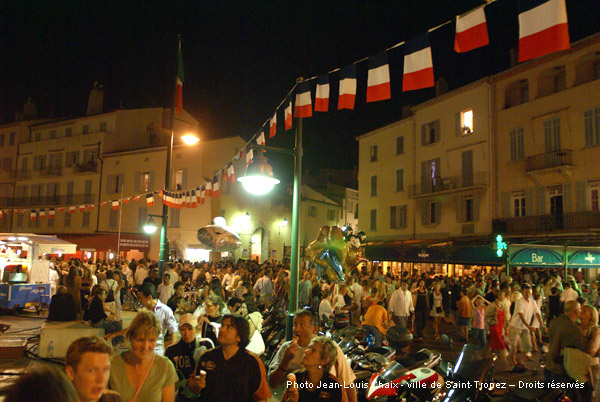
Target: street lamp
[[150, 227], [260, 187], [190, 139]]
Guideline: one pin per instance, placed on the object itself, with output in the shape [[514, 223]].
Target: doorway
[[556, 207], [256, 243]]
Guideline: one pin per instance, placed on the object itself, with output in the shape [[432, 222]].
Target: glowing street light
[[259, 178], [150, 227], [190, 139]]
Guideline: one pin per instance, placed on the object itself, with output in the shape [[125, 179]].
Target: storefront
[[108, 246]]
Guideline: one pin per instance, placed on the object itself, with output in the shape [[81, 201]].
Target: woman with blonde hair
[[589, 327], [139, 374]]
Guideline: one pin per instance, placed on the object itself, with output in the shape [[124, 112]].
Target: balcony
[[548, 160], [51, 171], [49, 201], [448, 185], [548, 223], [20, 174], [87, 167]]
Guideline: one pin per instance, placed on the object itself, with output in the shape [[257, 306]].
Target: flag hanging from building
[[61, 209], [378, 82], [273, 125], [347, 87], [202, 195], [42, 214], [418, 66], [51, 213], [187, 202], [260, 140], [126, 200], [303, 106], [208, 189], [322, 94], [1, 214], [193, 199], [471, 31], [115, 205], [32, 215], [90, 207], [249, 157], [150, 199], [136, 198], [102, 204], [72, 210], [82, 208], [288, 116], [231, 173], [179, 82], [543, 28], [216, 192]]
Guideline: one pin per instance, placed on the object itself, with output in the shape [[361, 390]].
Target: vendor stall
[[23, 274]]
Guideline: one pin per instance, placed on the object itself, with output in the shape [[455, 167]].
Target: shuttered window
[[552, 134], [592, 126], [517, 144]]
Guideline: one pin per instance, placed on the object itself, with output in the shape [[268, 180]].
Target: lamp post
[[254, 185]]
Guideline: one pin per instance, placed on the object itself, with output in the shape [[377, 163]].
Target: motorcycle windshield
[[392, 372], [470, 363]]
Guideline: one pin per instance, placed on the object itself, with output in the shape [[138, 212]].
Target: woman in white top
[[437, 311], [115, 283], [325, 308]]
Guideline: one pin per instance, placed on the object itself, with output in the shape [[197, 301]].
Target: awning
[[383, 252], [474, 255], [424, 254], [536, 257], [584, 258], [46, 243], [110, 241]]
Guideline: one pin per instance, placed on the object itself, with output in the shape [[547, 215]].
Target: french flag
[[231, 173], [261, 138], [418, 66], [216, 191], [471, 31], [202, 195], [303, 106], [51, 213], [347, 87], [72, 210], [32, 215], [115, 205], [288, 116], [543, 28], [249, 157], [42, 214], [378, 82], [150, 199], [208, 188], [322, 94], [194, 199], [82, 208], [273, 125]]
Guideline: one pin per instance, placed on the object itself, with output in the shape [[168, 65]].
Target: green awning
[[474, 255], [587, 258], [537, 257]]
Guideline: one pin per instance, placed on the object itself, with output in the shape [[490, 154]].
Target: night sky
[[241, 58]]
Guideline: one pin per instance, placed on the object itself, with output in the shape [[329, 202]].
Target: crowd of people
[[199, 332]]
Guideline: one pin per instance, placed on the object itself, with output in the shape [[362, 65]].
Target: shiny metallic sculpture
[[218, 238], [329, 251]]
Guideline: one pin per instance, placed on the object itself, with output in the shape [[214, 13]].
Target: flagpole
[[164, 253]]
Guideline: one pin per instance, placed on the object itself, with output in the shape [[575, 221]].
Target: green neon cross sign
[[500, 246]]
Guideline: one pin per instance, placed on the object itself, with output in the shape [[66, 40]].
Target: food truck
[[23, 274]]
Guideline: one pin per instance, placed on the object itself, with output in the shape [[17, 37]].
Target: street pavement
[[27, 326]]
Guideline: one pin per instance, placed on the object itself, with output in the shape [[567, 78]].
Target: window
[[356, 211], [11, 140], [468, 209], [69, 132], [39, 162], [373, 186], [114, 183], [398, 217], [37, 192], [55, 160], [552, 134], [37, 136], [400, 180], [373, 219], [1, 140], [72, 158], [178, 179], [85, 129], [174, 218], [312, 211], [430, 133], [594, 196], [90, 156], [399, 145], [87, 193], [466, 122], [517, 144], [70, 188], [52, 192], [374, 153], [52, 134], [68, 219], [21, 194], [331, 215], [113, 218], [86, 219], [518, 203], [432, 213], [50, 221], [7, 164], [145, 182], [24, 164], [591, 118], [103, 127], [560, 81], [143, 216], [516, 93], [20, 220]]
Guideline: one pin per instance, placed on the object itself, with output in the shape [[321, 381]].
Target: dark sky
[[241, 58]]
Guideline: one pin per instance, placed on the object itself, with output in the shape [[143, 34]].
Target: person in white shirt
[[568, 294], [325, 308], [226, 281], [173, 272], [141, 273], [357, 295], [165, 289], [125, 270], [401, 305], [526, 309]]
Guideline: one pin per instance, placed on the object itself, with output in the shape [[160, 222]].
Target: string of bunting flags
[[543, 29]]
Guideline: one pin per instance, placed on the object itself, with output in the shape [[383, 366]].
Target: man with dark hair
[[178, 290], [229, 373], [153, 279], [62, 306], [87, 365]]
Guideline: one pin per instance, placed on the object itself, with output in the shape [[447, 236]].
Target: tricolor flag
[[103, 204], [179, 82], [1, 214], [249, 157], [418, 66], [378, 83], [42, 214], [543, 28], [288, 116], [216, 190], [303, 106], [82, 208], [51, 213], [179, 201], [136, 198], [238, 156], [90, 207], [471, 31], [347, 87], [224, 171], [126, 200], [32, 215], [187, 201], [322, 94], [260, 140], [115, 205], [208, 189], [193, 200], [61, 209], [273, 125], [202, 195], [72, 210], [150, 199], [231, 173]]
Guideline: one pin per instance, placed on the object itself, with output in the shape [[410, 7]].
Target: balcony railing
[[548, 223], [20, 174], [547, 160], [51, 171], [88, 167], [48, 201], [452, 183]]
